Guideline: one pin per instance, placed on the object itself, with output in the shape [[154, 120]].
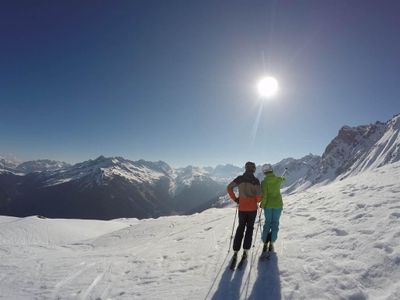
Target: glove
[[236, 200]]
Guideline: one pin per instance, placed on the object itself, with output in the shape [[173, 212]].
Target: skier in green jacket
[[272, 204]]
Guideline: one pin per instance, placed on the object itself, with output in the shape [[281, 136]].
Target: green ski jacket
[[271, 191]]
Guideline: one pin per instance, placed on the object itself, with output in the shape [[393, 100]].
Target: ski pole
[[233, 227], [284, 172], [259, 222], [258, 226]]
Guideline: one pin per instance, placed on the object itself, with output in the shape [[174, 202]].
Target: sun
[[267, 87]]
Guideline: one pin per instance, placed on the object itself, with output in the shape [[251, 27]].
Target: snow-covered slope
[[386, 150], [360, 148], [353, 150], [40, 231], [350, 145], [339, 241]]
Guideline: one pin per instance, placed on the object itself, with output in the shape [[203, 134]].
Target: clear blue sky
[[174, 80]]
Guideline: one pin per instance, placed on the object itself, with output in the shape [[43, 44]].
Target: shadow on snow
[[268, 283], [266, 286], [229, 285]]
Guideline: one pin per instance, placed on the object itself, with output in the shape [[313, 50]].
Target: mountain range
[[104, 188], [114, 187]]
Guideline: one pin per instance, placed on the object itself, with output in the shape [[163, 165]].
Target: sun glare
[[267, 87]]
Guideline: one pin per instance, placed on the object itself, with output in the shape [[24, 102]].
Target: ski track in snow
[[340, 241]]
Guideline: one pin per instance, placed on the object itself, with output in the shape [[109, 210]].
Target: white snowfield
[[340, 241]]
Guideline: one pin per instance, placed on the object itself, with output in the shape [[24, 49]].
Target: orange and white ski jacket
[[249, 191]]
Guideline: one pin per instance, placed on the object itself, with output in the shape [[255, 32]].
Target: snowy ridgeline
[[340, 241]]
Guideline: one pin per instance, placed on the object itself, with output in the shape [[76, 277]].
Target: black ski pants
[[246, 221]]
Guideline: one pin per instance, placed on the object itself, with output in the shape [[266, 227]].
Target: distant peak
[[113, 159], [394, 121], [101, 157]]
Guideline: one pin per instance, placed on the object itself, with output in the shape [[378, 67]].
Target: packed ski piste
[[335, 241]]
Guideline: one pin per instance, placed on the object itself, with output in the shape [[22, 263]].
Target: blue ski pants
[[271, 224]]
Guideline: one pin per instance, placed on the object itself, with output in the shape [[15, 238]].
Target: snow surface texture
[[340, 241]]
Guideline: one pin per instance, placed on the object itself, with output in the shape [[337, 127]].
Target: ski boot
[[243, 259], [265, 252], [234, 261], [271, 247]]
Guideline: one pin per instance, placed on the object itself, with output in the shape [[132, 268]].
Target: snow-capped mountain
[[353, 150], [102, 170], [8, 162], [13, 164], [191, 183], [41, 165], [384, 151], [186, 176], [356, 149], [298, 172], [351, 144], [225, 173]]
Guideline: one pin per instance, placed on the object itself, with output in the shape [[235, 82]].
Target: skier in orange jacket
[[249, 196]]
